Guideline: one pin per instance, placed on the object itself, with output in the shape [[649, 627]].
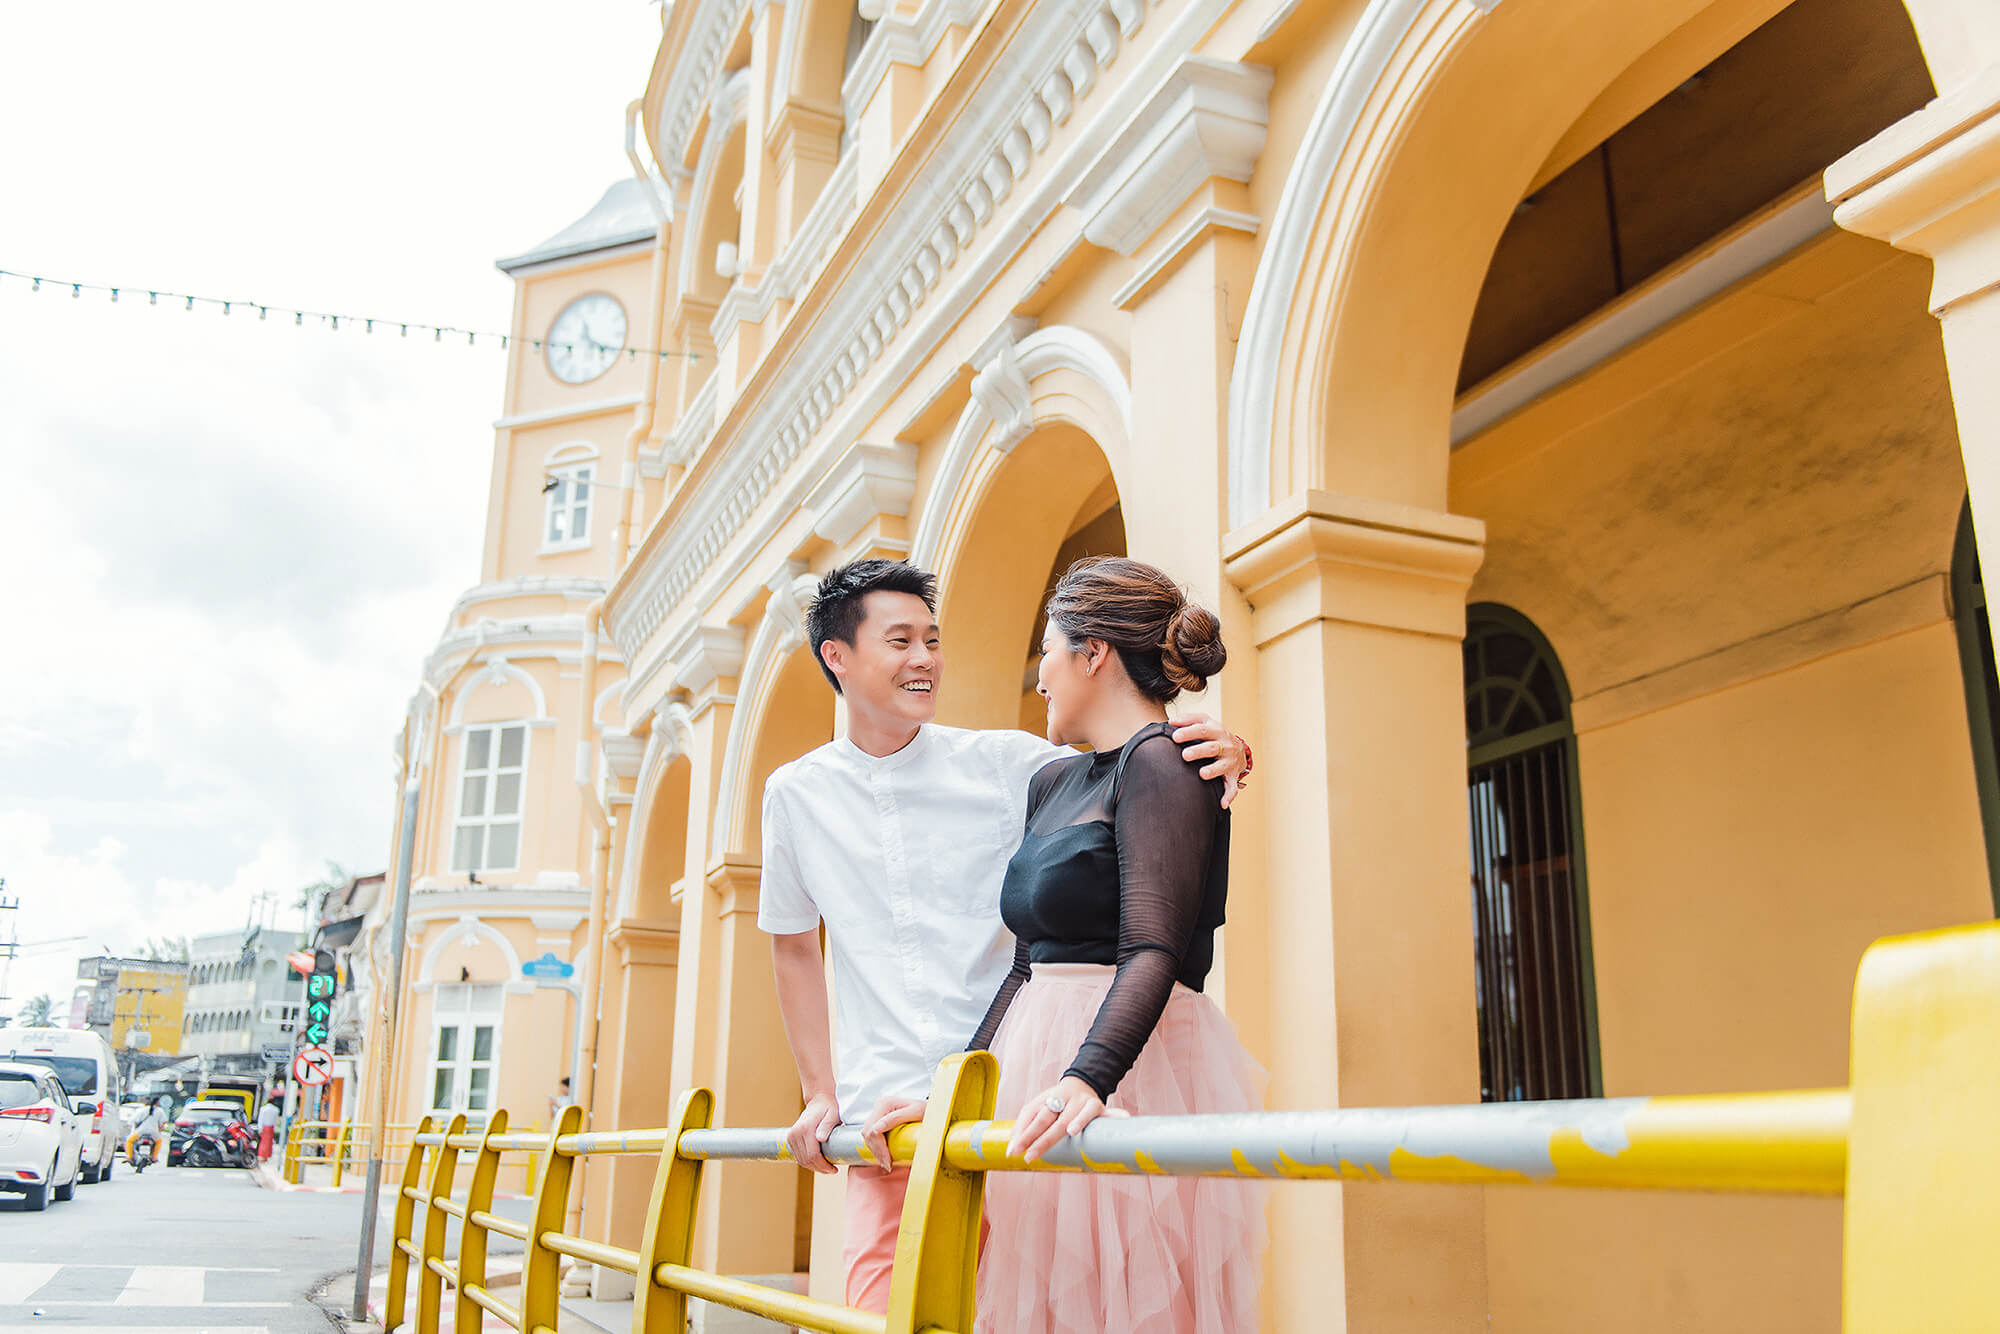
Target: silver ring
[[1054, 1104]]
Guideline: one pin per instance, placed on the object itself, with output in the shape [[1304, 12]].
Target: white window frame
[[574, 493], [488, 819], [466, 1007]]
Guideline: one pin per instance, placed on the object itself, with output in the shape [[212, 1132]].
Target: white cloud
[[230, 542]]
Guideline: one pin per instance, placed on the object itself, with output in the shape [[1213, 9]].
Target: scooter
[[141, 1156], [229, 1147]]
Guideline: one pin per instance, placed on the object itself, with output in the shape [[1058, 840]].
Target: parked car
[[41, 1139], [201, 1117], [88, 1069]]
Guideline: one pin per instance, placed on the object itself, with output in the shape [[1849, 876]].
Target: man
[[896, 836], [267, 1128], [151, 1127], [559, 1099]]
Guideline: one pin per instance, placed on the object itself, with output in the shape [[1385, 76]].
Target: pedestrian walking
[[267, 1129]]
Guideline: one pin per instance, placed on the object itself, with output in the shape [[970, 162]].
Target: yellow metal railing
[[343, 1145], [1911, 1145]]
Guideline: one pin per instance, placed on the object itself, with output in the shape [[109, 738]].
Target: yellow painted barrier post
[[290, 1169], [471, 1235], [430, 1286], [937, 1242], [669, 1236], [400, 1235], [1923, 1159], [541, 1277], [340, 1146]]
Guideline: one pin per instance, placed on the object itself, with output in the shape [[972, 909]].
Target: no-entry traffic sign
[[313, 1065]]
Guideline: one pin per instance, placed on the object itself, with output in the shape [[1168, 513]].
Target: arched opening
[[1537, 991], [1048, 502], [1712, 442], [663, 852]]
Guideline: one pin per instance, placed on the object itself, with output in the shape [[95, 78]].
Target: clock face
[[586, 338]]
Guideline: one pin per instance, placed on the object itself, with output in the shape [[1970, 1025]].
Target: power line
[[331, 320]]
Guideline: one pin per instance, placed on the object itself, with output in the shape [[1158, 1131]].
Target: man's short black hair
[[836, 609]]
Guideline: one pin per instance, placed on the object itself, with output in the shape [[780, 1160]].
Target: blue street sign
[[548, 967]]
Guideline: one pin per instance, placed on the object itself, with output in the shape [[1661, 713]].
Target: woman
[[1114, 898]]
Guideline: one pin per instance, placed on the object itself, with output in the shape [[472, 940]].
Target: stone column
[[1931, 184], [1358, 612]]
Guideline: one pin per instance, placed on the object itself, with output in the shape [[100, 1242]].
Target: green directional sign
[[321, 986], [319, 1012], [316, 1035]]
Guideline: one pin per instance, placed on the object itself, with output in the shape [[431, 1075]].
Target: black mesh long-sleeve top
[[1126, 862]]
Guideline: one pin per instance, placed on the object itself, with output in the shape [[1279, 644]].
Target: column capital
[[734, 882], [1327, 557], [644, 943], [1930, 183], [868, 482]]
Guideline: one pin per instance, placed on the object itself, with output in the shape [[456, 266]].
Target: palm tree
[[38, 1012], [168, 949]]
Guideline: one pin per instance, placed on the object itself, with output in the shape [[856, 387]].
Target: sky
[[227, 545]]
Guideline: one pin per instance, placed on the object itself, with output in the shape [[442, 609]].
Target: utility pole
[[378, 1131]]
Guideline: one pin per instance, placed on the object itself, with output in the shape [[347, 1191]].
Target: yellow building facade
[[1571, 408]]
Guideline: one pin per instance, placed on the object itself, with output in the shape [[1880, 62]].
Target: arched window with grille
[[1536, 989], [1982, 691]]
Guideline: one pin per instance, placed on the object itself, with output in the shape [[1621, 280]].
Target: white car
[[84, 1062], [41, 1139]]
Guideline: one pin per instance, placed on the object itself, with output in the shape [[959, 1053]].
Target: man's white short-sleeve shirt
[[901, 856]]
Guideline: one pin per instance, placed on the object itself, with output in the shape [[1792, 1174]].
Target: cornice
[[575, 588], [1928, 184], [569, 412], [898, 40], [1001, 116], [1207, 120], [488, 633], [1326, 557], [696, 69]]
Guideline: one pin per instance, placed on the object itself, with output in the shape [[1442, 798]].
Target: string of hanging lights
[[328, 319]]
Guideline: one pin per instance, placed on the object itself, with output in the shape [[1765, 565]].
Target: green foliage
[[39, 1012]]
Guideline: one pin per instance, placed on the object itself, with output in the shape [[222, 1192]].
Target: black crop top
[[1125, 861]]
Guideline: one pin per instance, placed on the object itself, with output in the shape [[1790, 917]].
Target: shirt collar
[[882, 763]]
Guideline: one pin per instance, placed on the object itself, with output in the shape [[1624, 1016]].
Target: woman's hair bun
[[1193, 649]]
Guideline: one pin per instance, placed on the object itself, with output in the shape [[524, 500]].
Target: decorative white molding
[[594, 408], [1253, 383], [705, 653], [571, 451], [487, 633], [729, 99], [689, 435], [470, 929], [573, 587], [622, 754], [866, 481], [804, 256], [785, 610], [1198, 225], [498, 671], [696, 72], [1207, 120], [1058, 347], [1037, 81], [898, 40]]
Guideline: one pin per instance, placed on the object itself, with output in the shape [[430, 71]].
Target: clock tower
[[505, 856]]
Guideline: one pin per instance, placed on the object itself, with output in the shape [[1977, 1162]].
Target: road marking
[[164, 1285], [18, 1282]]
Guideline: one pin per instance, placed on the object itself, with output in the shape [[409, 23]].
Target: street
[[174, 1249]]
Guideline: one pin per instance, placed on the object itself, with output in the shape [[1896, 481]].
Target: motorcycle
[[141, 1156], [230, 1146]]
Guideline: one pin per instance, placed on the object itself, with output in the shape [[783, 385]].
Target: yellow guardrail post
[[290, 1168], [937, 1242], [1923, 1160], [340, 1138], [471, 1235], [430, 1286], [541, 1279], [669, 1236], [400, 1235]]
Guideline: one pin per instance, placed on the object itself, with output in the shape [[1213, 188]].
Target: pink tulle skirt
[[1085, 1254]]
